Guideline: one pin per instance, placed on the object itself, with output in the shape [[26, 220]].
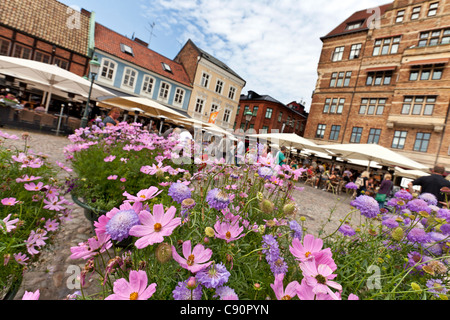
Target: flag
[[213, 117]]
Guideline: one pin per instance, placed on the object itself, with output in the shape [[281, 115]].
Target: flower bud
[[209, 232], [397, 234], [259, 196], [289, 208], [415, 286], [192, 283], [163, 252], [267, 206]]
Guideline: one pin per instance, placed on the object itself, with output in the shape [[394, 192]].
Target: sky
[[274, 45]]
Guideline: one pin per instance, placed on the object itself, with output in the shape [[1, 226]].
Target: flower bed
[[32, 208], [229, 232]]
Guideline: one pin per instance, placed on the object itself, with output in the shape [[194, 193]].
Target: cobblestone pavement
[[53, 273]]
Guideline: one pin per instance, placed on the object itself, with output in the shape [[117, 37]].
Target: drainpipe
[[442, 136]]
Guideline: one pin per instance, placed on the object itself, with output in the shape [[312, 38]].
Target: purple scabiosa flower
[[351, 185], [347, 230], [226, 293], [265, 172], [214, 276], [273, 257], [391, 223], [429, 198], [417, 260], [179, 191], [368, 206], [435, 286], [404, 195], [418, 235], [182, 292], [218, 199], [445, 229], [296, 229], [443, 214], [118, 227], [418, 205], [398, 204]]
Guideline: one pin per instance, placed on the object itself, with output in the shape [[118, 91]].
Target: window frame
[[205, 80], [219, 86], [178, 98], [165, 87], [411, 103], [148, 81], [374, 136], [338, 55], [400, 17], [320, 132], [374, 104], [199, 103], [334, 133], [125, 75], [355, 53], [432, 11], [270, 113], [2, 44], [415, 15], [419, 143], [389, 43], [399, 139], [108, 70], [226, 115], [232, 93], [356, 134]]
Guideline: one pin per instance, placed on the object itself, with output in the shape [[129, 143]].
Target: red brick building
[[384, 77], [270, 115]]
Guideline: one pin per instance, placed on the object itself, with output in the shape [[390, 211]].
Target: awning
[[381, 68], [428, 61]]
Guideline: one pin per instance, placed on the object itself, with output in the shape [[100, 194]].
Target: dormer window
[[126, 49], [354, 25], [166, 67]]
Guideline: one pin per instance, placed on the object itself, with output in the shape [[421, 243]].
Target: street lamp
[[94, 67], [248, 117]]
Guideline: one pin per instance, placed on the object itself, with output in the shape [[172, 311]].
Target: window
[[386, 46], [4, 47], [63, 64], [108, 69], [148, 85], [379, 78], [199, 105], [374, 136], [280, 115], [42, 57], [164, 91], [338, 54], [432, 10], [129, 77], [269, 113], [415, 13], [419, 105], [356, 135], [422, 142], [22, 52], [255, 111], [355, 51], [232, 93], [434, 38], [426, 72], [226, 115], [334, 134], [126, 49], [179, 96], [219, 86], [399, 139], [205, 80], [320, 133], [354, 25], [334, 105], [341, 79], [400, 16], [214, 108], [372, 106], [166, 67]]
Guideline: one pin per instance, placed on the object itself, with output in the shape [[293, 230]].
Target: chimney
[[145, 44], [85, 12]]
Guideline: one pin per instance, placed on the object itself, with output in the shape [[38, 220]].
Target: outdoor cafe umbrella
[[50, 76], [289, 140], [373, 153]]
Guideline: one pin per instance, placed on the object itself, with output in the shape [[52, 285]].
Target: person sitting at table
[[39, 108], [112, 118]]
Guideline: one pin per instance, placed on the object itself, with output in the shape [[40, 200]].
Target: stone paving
[[53, 273]]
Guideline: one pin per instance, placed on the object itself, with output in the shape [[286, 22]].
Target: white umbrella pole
[[59, 120], [49, 97]]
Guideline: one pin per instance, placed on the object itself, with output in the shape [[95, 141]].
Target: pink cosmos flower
[[155, 226], [194, 260], [154, 168], [51, 225], [281, 293], [109, 158], [54, 203], [320, 278], [31, 295], [305, 292], [112, 177], [62, 166], [21, 258], [34, 187], [26, 178], [86, 250], [310, 247], [228, 231], [9, 224], [143, 195], [135, 289], [9, 201]]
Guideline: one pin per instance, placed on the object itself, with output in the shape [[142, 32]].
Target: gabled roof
[[48, 20], [112, 43], [214, 60], [364, 17]]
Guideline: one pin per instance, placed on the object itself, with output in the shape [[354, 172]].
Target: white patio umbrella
[[50, 76], [289, 140], [412, 174], [150, 107], [373, 153]]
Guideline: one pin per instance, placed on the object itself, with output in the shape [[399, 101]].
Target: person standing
[[432, 183], [280, 157], [384, 190], [240, 152], [112, 118]]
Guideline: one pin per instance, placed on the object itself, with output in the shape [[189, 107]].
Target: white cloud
[[273, 44]]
